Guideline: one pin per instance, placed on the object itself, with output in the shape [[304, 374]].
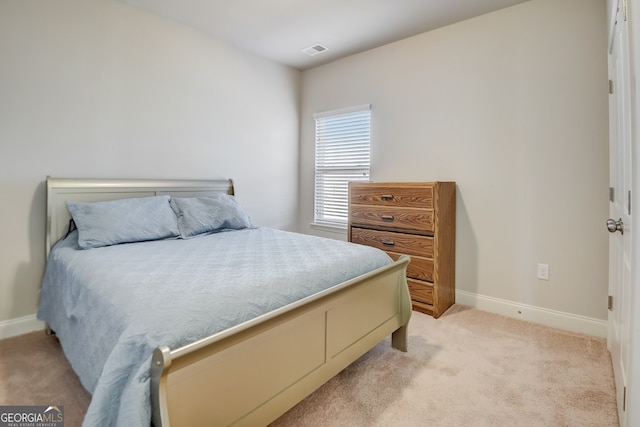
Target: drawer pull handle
[[388, 243], [386, 196], [387, 217]]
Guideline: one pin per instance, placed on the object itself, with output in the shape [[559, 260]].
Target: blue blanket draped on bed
[[111, 307]]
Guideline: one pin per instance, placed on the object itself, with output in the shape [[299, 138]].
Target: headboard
[[59, 190]]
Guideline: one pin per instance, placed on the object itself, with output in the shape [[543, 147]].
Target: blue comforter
[[111, 307]]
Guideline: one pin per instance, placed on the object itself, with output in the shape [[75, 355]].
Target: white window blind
[[342, 155]]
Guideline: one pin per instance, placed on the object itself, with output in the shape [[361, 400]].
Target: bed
[[218, 364]]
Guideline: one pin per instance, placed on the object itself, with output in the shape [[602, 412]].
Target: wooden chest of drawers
[[416, 219]]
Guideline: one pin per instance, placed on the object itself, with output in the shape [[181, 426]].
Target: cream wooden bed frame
[[252, 373]]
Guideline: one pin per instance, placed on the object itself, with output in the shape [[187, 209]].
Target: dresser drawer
[[391, 241], [380, 194], [421, 291], [410, 219], [425, 308], [419, 267]]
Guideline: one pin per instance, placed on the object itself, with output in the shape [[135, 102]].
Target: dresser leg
[[400, 338]]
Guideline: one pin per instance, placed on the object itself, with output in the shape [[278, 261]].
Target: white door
[[619, 223]]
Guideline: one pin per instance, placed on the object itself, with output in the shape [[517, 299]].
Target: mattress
[[112, 306]]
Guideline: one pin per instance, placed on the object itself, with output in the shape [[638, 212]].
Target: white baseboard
[[20, 325], [544, 316]]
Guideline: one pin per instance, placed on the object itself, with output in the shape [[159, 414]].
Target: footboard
[[254, 372]]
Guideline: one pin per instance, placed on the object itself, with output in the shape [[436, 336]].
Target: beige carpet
[[34, 371], [468, 368]]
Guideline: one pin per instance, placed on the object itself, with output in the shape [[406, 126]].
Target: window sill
[[341, 229]]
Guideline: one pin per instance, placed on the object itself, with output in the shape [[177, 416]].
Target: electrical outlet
[[543, 271]]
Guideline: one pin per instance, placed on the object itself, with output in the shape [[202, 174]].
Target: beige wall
[[95, 88], [513, 106]]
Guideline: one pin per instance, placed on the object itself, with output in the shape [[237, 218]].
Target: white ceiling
[[280, 29]]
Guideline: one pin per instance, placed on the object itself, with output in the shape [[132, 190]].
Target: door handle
[[613, 225]]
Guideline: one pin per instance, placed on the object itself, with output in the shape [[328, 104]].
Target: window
[[342, 155]]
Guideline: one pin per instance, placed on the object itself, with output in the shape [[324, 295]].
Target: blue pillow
[[123, 221], [210, 214]]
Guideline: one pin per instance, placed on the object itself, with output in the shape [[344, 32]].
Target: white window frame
[[342, 154]]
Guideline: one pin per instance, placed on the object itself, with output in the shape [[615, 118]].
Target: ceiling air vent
[[315, 49]]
